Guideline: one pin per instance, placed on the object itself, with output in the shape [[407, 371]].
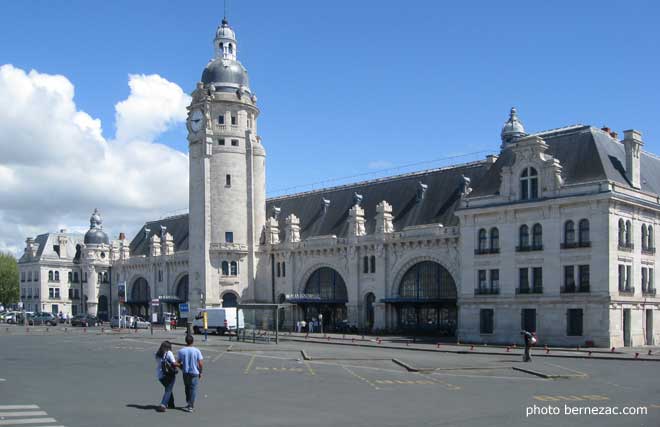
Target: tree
[[9, 287]]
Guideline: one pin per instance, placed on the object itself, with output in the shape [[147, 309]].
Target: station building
[[554, 233]]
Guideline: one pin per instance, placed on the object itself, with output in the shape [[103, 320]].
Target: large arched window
[[529, 184], [483, 240], [327, 284], [523, 236], [182, 289], [537, 236], [628, 233], [584, 232], [229, 300], [622, 232], [427, 280], [569, 232], [494, 239], [644, 237], [140, 292]]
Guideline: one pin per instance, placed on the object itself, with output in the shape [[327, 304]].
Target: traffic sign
[[183, 308], [155, 302]]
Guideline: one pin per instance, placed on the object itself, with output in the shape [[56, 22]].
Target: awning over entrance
[[315, 301], [404, 300]]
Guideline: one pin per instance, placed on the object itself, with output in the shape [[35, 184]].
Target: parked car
[[123, 322], [43, 319], [140, 323], [84, 320]]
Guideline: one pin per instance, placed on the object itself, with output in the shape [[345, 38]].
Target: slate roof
[[48, 240], [177, 226], [586, 154], [438, 205]]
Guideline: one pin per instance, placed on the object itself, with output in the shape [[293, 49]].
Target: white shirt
[[159, 366]]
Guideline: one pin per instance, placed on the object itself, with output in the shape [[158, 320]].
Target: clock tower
[[227, 179]]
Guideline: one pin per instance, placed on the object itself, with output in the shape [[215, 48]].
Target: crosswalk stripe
[[26, 421], [18, 407], [23, 414]]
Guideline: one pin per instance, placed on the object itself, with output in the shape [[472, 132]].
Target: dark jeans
[[527, 357], [168, 396], [190, 382]]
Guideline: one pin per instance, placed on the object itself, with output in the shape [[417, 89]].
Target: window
[[529, 184], [84, 277], [221, 141], [279, 270], [524, 236], [584, 274], [221, 117], [537, 277], [22, 276], [283, 269], [29, 292], [482, 279], [523, 279], [628, 276], [29, 276], [574, 322], [372, 262], [57, 276], [50, 276], [569, 232], [483, 240], [225, 268], [227, 180], [234, 119], [622, 232], [494, 239], [365, 264], [644, 278], [70, 277], [229, 237], [628, 233], [234, 142], [160, 275], [75, 277], [36, 292], [537, 236], [51, 293], [486, 320], [70, 293], [100, 277], [584, 232], [622, 277], [569, 278], [650, 285], [231, 48], [528, 319], [644, 236], [651, 241], [234, 268], [494, 279], [57, 293]]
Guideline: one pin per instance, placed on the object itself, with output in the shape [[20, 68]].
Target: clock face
[[196, 120]]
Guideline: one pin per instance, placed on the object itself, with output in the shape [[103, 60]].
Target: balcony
[[648, 251], [627, 292], [626, 247], [495, 290], [574, 289], [486, 251], [648, 292], [229, 247], [533, 290], [529, 248]]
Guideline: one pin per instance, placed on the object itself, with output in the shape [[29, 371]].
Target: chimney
[[632, 141], [122, 236]]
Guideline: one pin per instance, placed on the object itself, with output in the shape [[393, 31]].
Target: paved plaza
[[88, 377]]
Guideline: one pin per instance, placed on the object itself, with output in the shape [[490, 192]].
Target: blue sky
[[346, 87]]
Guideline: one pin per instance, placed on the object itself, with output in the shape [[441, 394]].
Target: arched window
[[494, 239], [483, 240], [234, 268], [225, 268], [50, 276], [427, 280], [622, 232], [231, 49], [283, 269], [229, 300], [569, 232], [523, 236], [644, 237], [651, 240], [584, 231], [328, 285], [372, 263], [57, 276], [537, 236], [365, 264], [628, 233], [529, 184]]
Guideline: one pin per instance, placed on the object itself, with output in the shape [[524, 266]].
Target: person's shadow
[[148, 407]]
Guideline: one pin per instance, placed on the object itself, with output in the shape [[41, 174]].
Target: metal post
[[277, 324], [237, 325]]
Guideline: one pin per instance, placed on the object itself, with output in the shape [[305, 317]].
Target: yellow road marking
[[264, 368], [361, 378], [582, 397], [309, 368], [247, 368]]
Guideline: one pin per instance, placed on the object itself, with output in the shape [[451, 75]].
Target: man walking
[[529, 340], [191, 363]]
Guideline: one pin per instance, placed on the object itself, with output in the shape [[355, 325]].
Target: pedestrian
[[166, 374], [529, 340], [298, 326], [310, 326], [191, 362]]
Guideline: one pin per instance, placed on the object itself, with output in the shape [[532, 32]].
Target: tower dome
[[96, 235], [224, 70], [513, 128]]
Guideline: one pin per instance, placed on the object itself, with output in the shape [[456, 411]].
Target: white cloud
[[56, 166]]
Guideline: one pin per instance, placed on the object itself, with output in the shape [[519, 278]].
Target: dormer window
[[529, 184]]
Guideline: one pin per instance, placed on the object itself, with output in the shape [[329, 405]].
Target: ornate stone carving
[[292, 229], [356, 221], [272, 231], [384, 218]]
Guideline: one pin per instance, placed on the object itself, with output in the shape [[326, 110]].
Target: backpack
[[168, 369]]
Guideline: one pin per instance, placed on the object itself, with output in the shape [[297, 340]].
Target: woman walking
[[166, 373]]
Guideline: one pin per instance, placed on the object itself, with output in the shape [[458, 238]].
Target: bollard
[[102, 330], [437, 346], [471, 348], [589, 353], [407, 343], [650, 353], [306, 336], [547, 350], [508, 349], [66, 329], [328, 338], [47, 329], [380, 341], [85, 329], [612, 350], [27, 329], [636, 355], [353, 340], [578, 348]]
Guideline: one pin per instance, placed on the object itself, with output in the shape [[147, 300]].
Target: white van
[[220, 320]]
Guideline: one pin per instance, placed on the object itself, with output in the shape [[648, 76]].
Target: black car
[[43, 319], [84, 320]]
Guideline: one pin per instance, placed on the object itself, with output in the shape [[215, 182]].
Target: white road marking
[[10, 407], [23, 414], [27, 421]]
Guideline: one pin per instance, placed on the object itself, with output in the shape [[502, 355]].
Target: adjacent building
[[555, 233]]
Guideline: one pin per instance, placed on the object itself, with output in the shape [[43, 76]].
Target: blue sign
[[183, 308]]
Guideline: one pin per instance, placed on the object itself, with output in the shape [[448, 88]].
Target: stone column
[[91, 290]]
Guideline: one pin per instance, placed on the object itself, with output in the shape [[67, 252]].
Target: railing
[[486, 251], [574, 245], [627, 291], [532, 290], [495, 290], [572, 289], [626, 247], [648, 292], [648, 251], [529, 248]]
